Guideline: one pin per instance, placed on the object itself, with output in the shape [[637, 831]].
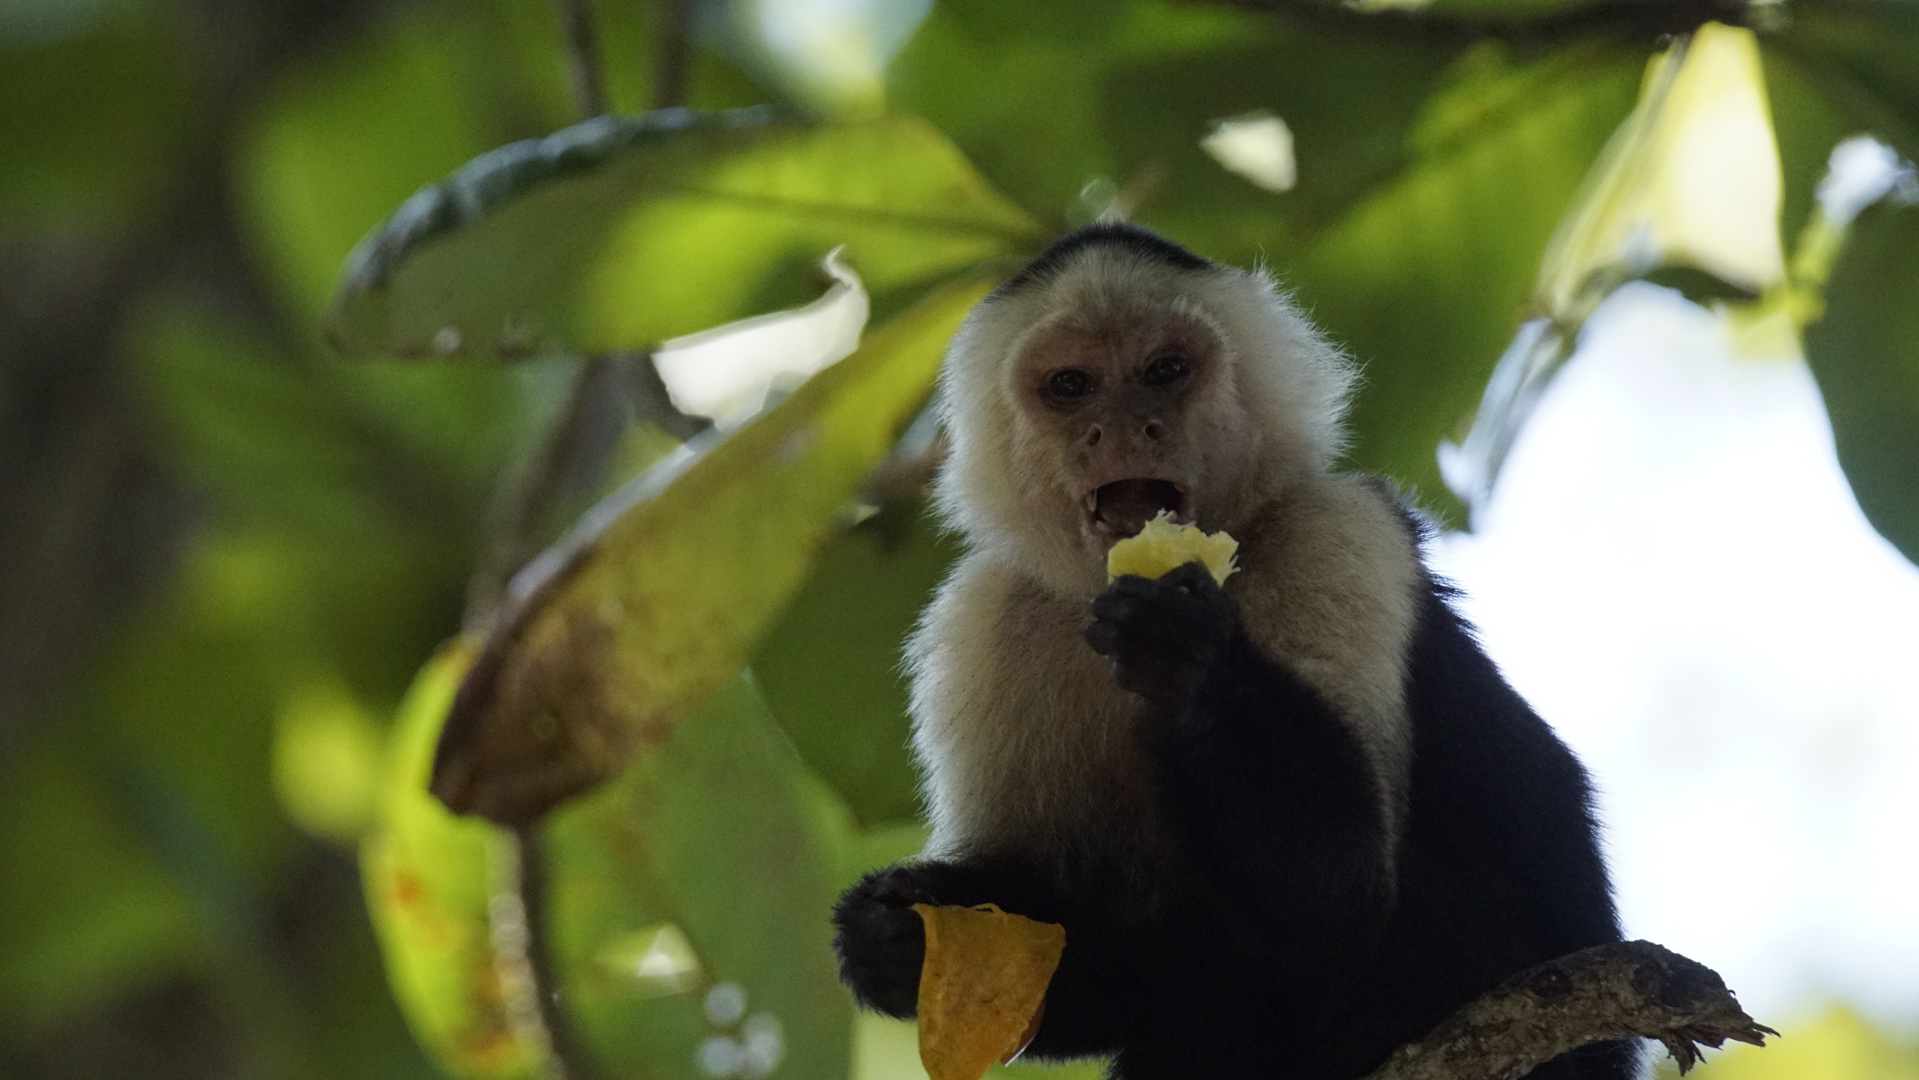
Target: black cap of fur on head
[[1143, 242]]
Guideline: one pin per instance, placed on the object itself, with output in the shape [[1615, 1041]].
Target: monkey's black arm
[[1268, 787]]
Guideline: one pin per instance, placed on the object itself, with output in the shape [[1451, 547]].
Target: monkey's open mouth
[[1123, 507]]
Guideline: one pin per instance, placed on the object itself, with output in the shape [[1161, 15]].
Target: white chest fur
[[1028, 744], [1026, 741]]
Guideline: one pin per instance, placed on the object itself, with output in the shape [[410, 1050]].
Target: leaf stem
[[640, 379], [582, 45], [522, 510], [670, 62], [521, 513]]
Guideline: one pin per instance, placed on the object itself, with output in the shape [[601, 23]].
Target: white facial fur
[[1025, 738], [1269, 410]]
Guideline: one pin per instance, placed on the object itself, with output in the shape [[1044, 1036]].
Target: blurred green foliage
[[1839, 1045], [180, 185]]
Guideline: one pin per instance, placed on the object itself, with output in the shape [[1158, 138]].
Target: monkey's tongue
[[1125, 506]]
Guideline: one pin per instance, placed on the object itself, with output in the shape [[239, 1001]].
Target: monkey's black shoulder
[[1061, 252]]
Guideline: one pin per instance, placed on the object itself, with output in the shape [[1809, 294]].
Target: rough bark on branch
[[1627, 989]]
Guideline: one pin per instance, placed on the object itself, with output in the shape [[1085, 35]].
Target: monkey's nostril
[[1092, 436], [1155, 430]]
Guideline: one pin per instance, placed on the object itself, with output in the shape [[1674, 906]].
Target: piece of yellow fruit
[[981, 986], [1163, 546]]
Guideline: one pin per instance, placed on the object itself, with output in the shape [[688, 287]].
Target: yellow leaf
[[430, 885], [981, 987], [1162, 547], [1691, 178]]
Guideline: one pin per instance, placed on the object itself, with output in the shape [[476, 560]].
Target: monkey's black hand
[[1163, 636], [881, 941]]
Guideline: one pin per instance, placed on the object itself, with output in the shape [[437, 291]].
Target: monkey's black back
[[1498, 869], [1289, 824]]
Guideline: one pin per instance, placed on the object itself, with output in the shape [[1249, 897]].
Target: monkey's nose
[[1155, 431]]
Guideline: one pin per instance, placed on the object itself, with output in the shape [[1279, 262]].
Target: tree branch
[[1627, 989], [1639, 19]]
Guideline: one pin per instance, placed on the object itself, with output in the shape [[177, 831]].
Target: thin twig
[[562, 1039], [511, 937], [640, 378], [583, 56], [521, 511], [670, 61], [516, 529]]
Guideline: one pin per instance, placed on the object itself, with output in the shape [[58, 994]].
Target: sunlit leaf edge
[[593, 749], [425, 875], [501, 175], [555, 302]]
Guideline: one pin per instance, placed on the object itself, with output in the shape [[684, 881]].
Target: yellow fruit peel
[[1164, 545], [981, 986]]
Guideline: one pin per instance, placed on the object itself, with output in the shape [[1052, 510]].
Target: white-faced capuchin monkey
[[1289, 824]]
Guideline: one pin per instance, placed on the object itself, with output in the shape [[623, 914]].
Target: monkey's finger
[[1133, 585], [1129, 636], [1123, 606], [1192, 577], [1142, 603], [899, 886], [1153, 610], [1103, 635], [1133, 630]]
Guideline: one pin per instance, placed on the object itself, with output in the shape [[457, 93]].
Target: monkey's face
[[1121, 416]]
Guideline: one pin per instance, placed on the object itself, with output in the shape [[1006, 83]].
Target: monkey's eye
[[1068, 385], [1165, 371]]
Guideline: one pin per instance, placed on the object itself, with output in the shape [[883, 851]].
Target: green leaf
[[88, 908], [1865, 354], [1864, 56], [343, 498], [1686, 195], [93, 126], [1352, 104], [1807, 126], [1864, 348], [1131, 88], [624, 232], [718, 836], [830, 668], [428, 884], [1498, 12], [1426, 280], [326, 759], [665, 589], [336, 142], [1692, 180]]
